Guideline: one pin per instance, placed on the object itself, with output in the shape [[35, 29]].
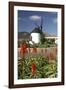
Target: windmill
[[37, 33], [39, 27]]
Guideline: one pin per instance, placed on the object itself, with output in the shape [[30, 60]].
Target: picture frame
[[33, 8]]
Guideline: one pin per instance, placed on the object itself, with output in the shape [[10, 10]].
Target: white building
[[56, 39], [36, 35]]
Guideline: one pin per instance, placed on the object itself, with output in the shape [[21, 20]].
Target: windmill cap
[[37, 30]]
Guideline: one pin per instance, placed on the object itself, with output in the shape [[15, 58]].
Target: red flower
[[23, 50], [33, 68]]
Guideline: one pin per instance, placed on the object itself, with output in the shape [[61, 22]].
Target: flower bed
[[36, 66]]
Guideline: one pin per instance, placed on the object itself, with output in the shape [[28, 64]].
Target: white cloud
[[35, 17]]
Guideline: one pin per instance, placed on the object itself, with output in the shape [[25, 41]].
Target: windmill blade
[[36, 24], [41, 23]]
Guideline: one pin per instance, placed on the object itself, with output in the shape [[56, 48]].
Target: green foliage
[[42, 39], [46, 43], [44, 69]]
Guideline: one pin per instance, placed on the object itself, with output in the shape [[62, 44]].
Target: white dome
[[35, 37]]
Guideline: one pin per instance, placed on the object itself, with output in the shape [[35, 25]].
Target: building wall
[[35, 37]]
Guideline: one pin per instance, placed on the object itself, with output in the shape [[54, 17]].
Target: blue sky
[[27, 21]]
